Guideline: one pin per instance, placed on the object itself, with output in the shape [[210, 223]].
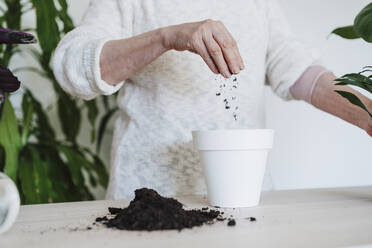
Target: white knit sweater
[[164, 102]]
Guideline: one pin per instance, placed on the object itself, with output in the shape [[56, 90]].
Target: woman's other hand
[[211, 40]]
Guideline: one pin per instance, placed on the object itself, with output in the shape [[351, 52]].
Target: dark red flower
[[8, 36], [8, 82]]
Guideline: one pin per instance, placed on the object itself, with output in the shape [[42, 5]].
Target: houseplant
[[362, 28], [46, 168]]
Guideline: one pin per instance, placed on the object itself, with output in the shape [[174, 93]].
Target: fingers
[[215, 52], [203, 52], [229, 48], [214, 43]]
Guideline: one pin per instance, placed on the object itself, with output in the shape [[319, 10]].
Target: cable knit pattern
[[164, 102]]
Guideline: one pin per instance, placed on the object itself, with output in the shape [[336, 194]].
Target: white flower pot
[[234, 164], [9, 203]]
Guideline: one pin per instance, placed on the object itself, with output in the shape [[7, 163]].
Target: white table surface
[[300, 218]]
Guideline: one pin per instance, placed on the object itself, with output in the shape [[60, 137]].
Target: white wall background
[[312, 148]]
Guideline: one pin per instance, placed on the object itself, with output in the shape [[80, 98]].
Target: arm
[[288, 60], [325, 98], [99, 55], [120, 59], [317, 87]]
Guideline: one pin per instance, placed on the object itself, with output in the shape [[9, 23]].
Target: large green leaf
[[43, 130], [68, 24], [12, 18], [363, 23], [2, 158], [347, 32], [76, 163], [69, 115], [47, 28], [92, 116], [354, 100], [356, 79], [26, 178], [33, 173], [13, 15], [28, 111], [63, 188], [10, 139], [96, 166]]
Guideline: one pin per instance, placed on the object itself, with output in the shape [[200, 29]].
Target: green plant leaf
[[69, 116], [63, 188], [28, 111], [47, 28], [92, 116], [68, 24], [347, 32], [106, 102], [10, 139], [354, 100], [102, 126], [2, 158], [33, 174], [12, 19], [76, 163], [26, 177], [363, 23], [43, 129], [356, 79], [98, 167]]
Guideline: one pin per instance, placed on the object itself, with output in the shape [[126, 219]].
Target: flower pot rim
[[233, 139]]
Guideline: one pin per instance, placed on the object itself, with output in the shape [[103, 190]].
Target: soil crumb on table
[[231, 222], [149, 211], [252, 219]]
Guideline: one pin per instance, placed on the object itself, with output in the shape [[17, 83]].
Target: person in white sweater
[[134, 47]]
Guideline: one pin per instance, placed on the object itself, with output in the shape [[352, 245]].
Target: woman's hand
[[211, 40], [325, 98], [120, 59]]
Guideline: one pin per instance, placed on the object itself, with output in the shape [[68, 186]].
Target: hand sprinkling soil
[[149, 211]]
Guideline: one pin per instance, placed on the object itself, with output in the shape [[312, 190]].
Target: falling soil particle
[[231, 222], [227, 88], [252, 219], [149, 211]]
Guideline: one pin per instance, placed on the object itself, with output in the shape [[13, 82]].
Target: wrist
[[166, 34]]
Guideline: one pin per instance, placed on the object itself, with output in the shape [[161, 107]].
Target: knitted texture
[[161, 104]]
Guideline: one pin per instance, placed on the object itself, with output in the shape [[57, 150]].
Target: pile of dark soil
[[149, 211]]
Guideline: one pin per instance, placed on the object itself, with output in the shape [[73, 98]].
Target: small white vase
[[234, 163], [9, 203]]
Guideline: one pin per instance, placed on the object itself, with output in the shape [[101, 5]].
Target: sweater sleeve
[[287, 58], [76, 62]]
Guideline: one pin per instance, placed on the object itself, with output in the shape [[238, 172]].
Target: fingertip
[[227, 75]]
